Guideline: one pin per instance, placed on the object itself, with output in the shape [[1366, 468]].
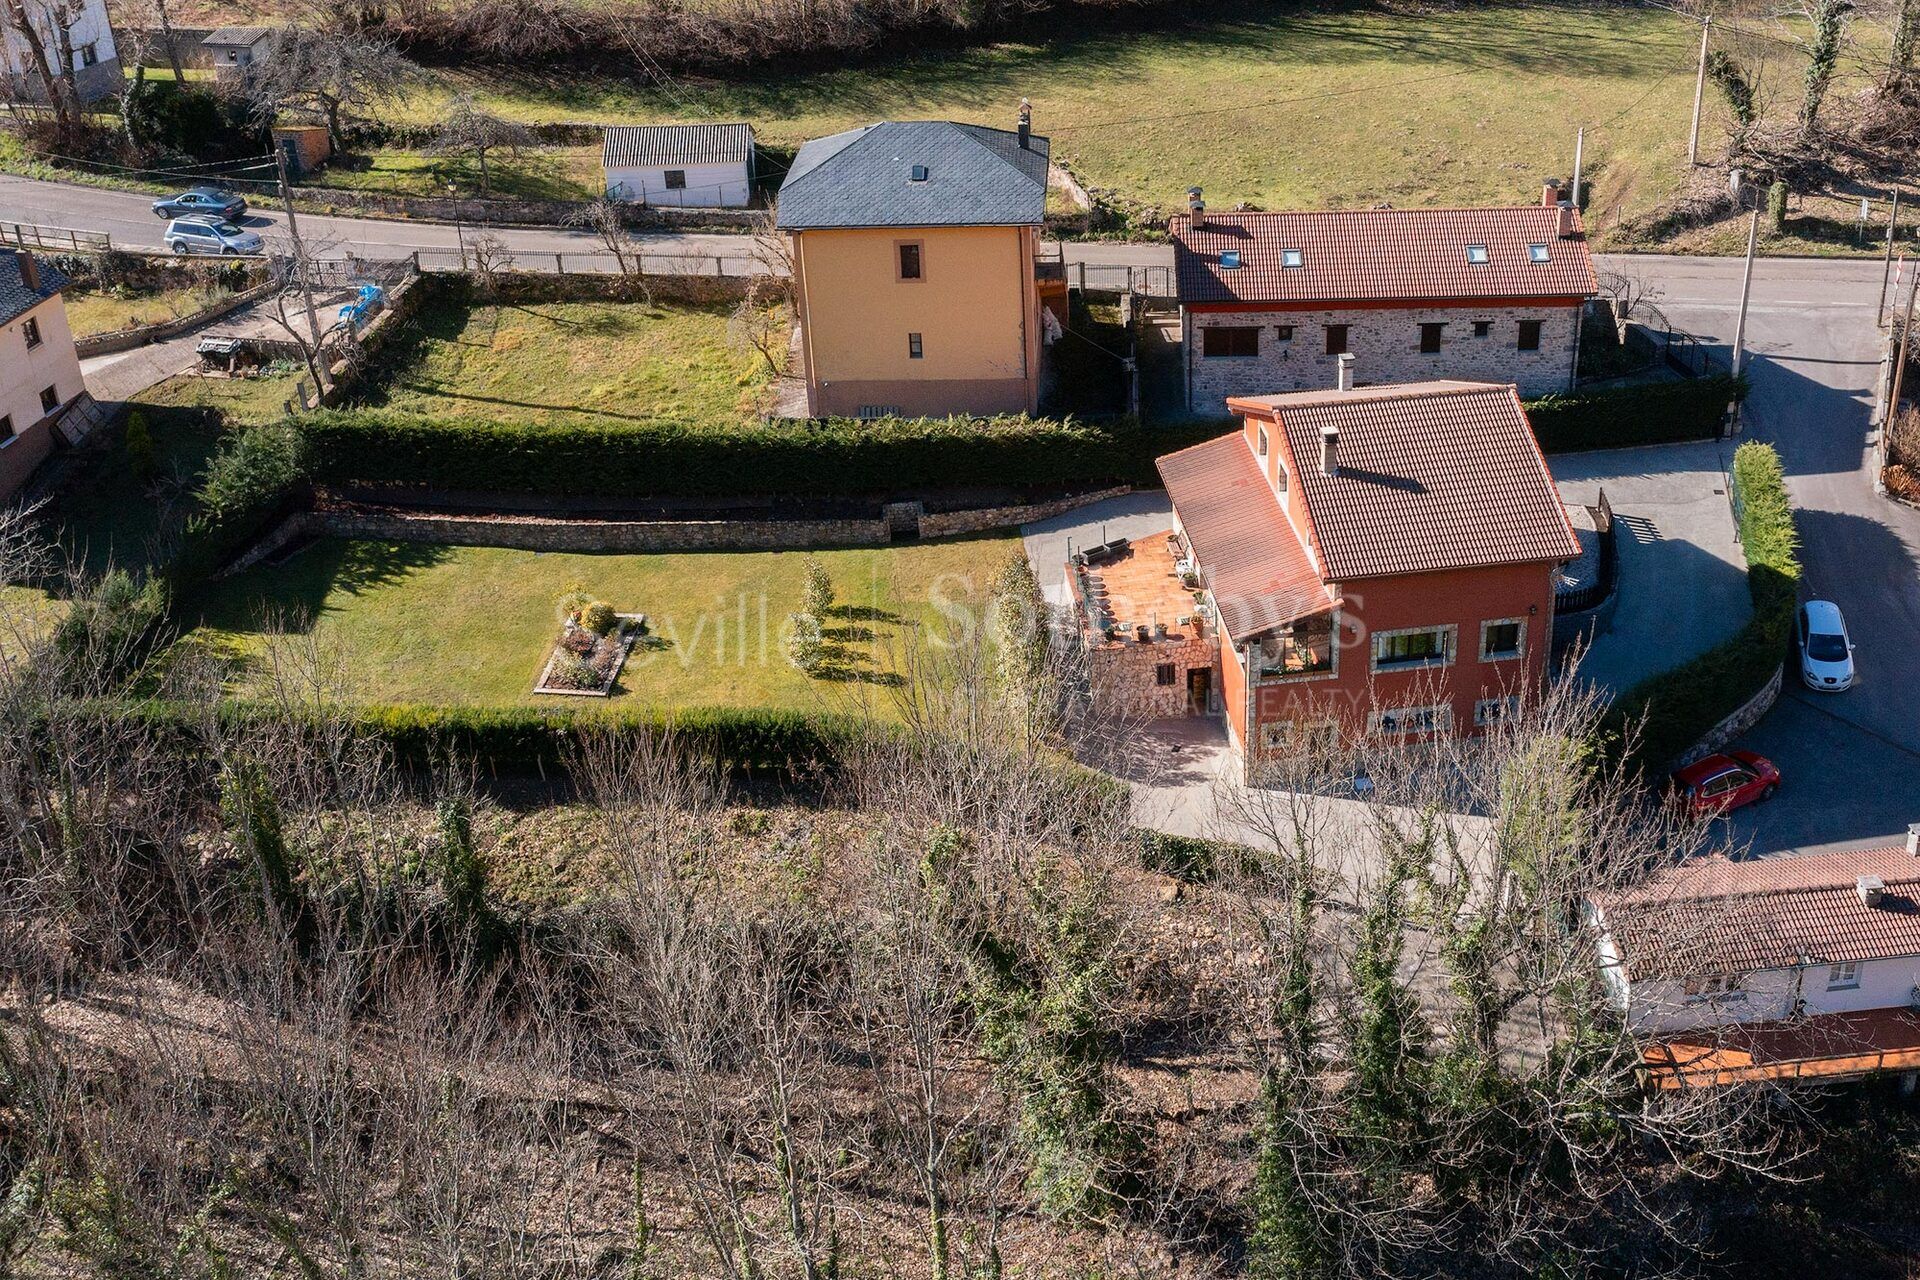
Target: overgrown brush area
[[272, 1002]]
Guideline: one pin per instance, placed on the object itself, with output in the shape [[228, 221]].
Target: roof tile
[[1431, 476], [976, 177], [16, 299], [646, 145], [1412, 255], [1714, 915]]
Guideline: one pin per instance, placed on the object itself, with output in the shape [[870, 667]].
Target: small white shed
[[231, 50], [691, 166]]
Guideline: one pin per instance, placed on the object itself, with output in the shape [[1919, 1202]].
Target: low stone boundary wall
[[101, 344], [547, 533], [1737, 723], [524, 213]]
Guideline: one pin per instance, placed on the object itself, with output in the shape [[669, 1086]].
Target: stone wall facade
[[1123, 676], [1386, 347], [947, 524]]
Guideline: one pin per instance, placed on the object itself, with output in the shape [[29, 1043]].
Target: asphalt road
[[1851, 761]]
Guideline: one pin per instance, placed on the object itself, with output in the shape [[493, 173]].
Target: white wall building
[[1794, 966], [81, 35], [690, 166], [39, 371]]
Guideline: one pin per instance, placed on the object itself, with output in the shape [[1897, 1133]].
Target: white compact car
[[1826, 654], [210, 235]]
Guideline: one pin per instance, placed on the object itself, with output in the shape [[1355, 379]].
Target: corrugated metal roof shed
[[649, 146]]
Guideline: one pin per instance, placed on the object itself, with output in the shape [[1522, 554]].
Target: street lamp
[[459, 237]]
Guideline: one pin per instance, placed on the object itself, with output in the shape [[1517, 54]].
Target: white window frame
[[1391, 720], [1844, 976], [1260, 436], [1449, 647], [1519, 652], [1293, 259], [1488, 712], [1539, 253], [1478, 256]]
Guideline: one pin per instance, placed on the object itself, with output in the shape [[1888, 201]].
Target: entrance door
[[1199, 690]]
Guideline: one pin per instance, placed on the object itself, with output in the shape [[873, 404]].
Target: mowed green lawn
[[1289, 108], [473, 625], [532, 173], [541, 361]]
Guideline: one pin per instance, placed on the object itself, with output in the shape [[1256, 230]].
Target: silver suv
[[210, 235]]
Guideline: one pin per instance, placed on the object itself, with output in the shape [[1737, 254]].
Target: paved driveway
[[1131, 515], [1683, 577]]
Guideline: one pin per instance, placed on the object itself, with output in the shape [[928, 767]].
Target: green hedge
[[1682, 705], [665, 458], [1648, 413], [520, 740]]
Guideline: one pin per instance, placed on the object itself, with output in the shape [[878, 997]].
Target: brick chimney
[[1343, 376], [1026, 125], [1550, 193], [1329, 451], [1565, 224], [1196, 207], [29, 270]]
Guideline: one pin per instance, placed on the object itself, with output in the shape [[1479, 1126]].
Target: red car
[[1723, 783]]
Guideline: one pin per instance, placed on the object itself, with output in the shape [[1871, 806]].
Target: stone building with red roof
[[1366, 560], [1770, 968], [1269, 301]]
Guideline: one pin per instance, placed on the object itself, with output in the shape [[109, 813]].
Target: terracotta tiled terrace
[[1135, 588]]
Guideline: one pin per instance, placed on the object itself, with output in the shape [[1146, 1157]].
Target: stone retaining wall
[[1737, 723], [101, 344], [525, 213], [947, 524]]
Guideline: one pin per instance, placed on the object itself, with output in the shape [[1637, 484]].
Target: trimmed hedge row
[[516, 740], [1649, 413], [1683, 705], [665, 458]]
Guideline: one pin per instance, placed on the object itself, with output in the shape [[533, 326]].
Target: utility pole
[[1746, 292], [1886, 268], [459, 237], [1900, 361], [1579, 153], [1699, 92], [300, 264]]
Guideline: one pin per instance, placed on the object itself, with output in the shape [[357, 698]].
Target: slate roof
[[976, 177], [1375, 255], [1256, 567], [1431, 476], [1714, 916], [16, 299], [244, 36], [647, 146]]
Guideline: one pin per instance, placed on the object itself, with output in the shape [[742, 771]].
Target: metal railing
[[25, 235]]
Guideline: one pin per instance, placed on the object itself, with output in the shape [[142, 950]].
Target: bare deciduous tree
[[466, 130], [328, 75]]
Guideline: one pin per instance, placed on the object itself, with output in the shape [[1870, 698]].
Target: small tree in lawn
[[806, 648], [606, 218], [466, 130], [816, 592]]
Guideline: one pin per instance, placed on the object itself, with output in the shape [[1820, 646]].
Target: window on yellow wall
[[913, 346], [910, 265]]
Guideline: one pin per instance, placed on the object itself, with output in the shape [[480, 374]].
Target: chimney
[[1026, 124], [1913, 839], [1871, 889], [29, 270], [1565, 225], [1329, 451], [1196, 207], [1550, 193], [1343, 379]]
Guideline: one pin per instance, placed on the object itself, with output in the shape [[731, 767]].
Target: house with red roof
[[1770, 968], [1270, 301], [1362, 560]]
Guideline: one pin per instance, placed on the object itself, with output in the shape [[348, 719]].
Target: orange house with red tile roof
[[1379, 559]]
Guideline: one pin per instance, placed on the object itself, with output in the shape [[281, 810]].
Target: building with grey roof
[[39, 369], [918, 288], [695, 166]]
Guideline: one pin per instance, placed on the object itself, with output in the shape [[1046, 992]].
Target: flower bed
[[585, 662]]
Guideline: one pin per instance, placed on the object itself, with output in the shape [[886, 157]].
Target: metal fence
[[27, 236]]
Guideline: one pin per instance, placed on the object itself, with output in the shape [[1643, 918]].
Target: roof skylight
[[1229, 259], [918, 173], [1293, 258], [1539, 253], [1477, 255]]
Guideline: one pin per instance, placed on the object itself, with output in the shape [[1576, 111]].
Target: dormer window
[[1229, 259], [1293, 258], [917, 174], [1539, 253], [1477, 255]]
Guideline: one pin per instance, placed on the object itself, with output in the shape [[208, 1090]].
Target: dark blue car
[[201, 201]]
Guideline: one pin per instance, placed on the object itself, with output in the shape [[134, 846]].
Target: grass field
[[618, 360], [536, 173], [473, 625], [90, 311]]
